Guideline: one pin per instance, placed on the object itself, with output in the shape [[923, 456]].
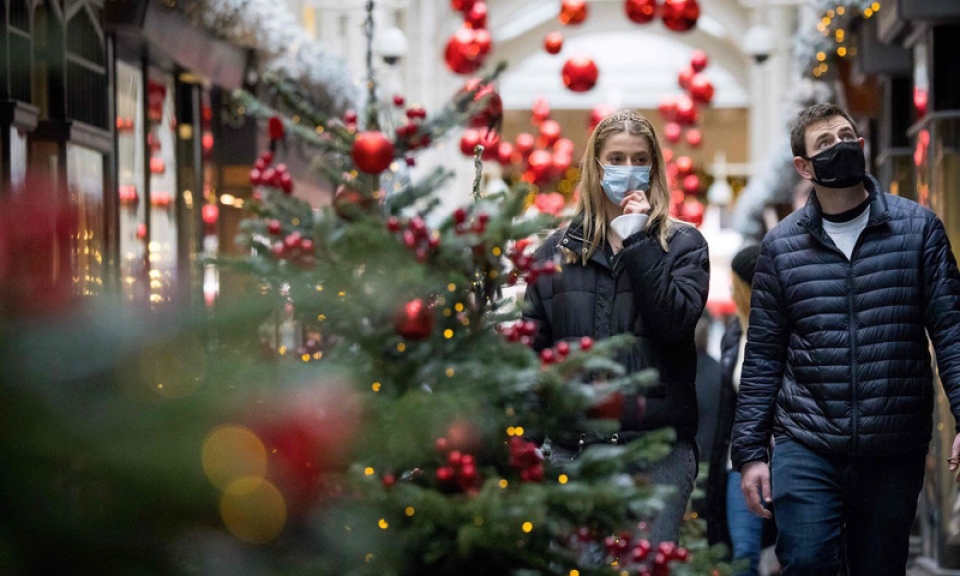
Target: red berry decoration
[[398, 100], [350, 117], [414, 320], [491, 113], [553, 42], [573, 12], [372, 152], [586, 343], [275, 128], [580, 73], [640, 11], [680, 15]]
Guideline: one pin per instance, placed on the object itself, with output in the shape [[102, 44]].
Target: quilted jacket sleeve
[[671, 287], [942, 309], [763, 365]]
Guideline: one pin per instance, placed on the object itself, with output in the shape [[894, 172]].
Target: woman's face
[[625, 149]]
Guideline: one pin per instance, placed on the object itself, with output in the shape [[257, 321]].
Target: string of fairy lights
[[833, 39]]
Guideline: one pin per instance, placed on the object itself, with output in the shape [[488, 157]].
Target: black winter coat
[[837, 356], [657, 296]]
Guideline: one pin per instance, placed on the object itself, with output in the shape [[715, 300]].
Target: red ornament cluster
[[458, 473], [416, 236], [265, 174], [638, 556], [409, 133], [468, 47], [526, 457], [293, 247], [520, 331], [523, 264], [462, 226]]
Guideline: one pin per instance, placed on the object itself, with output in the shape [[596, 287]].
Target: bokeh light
[[232, 453], [253, 510]]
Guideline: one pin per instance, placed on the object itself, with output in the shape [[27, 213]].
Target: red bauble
[[701, 89], [580, 73], [539, 162], [476, 16], [573, 12], [505, 153], [684, 165], [608, 408], [680, 15], [553, 42], [640, 11], [414, 320], [372, 152], [524, 143], [483, 40], [491, 113], [563, 145], [694, 137], [685, 76], [692, 211], [686, 111], [599, 112], [469, 141], [691, 183], [672, 132], [210, 213], [560, 162], [550, 130], [275, 128], [668, 108], [461, 5], [490, 140], [462, 54], [698, 60], [540, 111]]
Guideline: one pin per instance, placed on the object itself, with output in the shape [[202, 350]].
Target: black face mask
[[840, 166]]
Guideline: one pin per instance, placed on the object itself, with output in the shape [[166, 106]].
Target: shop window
[[20, 45], [85, 184], [162, 171], [131, 182]]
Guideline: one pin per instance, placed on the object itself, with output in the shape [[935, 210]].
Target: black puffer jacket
[[657, 296], [837, 355]]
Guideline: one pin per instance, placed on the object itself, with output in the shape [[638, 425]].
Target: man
[[837, 365]]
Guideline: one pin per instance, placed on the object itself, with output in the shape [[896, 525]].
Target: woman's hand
[[635, 202]]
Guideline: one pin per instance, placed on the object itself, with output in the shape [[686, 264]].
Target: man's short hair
[[812, 115]]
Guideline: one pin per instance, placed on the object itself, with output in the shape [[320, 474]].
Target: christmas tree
[[369, 405]]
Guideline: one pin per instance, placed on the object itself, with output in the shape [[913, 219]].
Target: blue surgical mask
[[618, 180]]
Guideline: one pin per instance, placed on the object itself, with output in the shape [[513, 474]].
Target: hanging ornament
[[573, 12], [698, 60], [701, 89], [691, 183], [275, 128], [550, 130], [598, 113], [685, 77], [539, 162], [524, 143], [462, 5], [680, 15], [640, 11], [686, 111], [505, 153], [691, 210], [541, 111], [210, 213], [349, 203], [414, 320], [668, 108], [684, 165], [492, 112], [469, 141], [580, 74], [560, 162], [694, 137], [372, 152], [672, 132], [563, 145], [483, 41], [553, 42], [476, 16], [462, 54]]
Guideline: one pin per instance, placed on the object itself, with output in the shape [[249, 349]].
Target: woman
[[651, 283]]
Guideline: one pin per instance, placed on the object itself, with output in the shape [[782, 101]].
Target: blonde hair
[[741, 299], [592, 199]]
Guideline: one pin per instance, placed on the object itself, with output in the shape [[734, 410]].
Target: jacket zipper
[[853, 355]]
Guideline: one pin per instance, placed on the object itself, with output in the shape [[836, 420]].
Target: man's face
[[820, 136]]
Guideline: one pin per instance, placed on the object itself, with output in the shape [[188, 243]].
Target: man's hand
[[755, 482], [954, 460]]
